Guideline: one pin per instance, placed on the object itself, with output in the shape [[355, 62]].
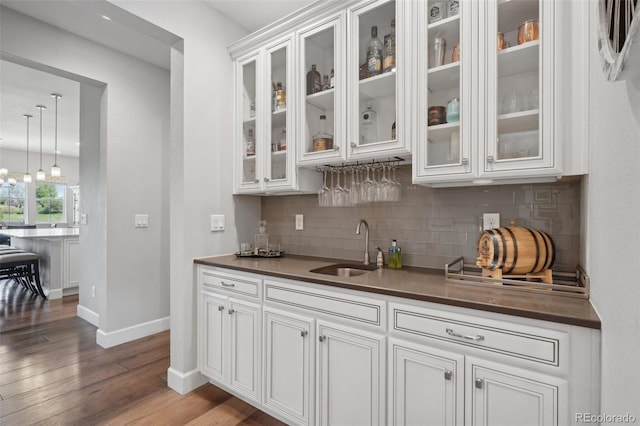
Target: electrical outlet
[[490, 221], [299, 222], [217, 222]]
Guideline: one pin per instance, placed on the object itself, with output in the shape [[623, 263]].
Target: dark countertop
[[421, 284]]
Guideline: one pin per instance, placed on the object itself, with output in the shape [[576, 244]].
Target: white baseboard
[[185, 382], [88, 315], [124, 335], [53, 294]]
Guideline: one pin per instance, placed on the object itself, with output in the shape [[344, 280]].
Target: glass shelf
[[444, 77], [379, 86], [322, 100], [519, 59]]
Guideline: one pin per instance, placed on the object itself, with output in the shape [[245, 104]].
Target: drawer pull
[[227, 284], [479, 383], [322, 338], [477, 338], [231, 311], [448, 374], [221, 308], [304, 333]]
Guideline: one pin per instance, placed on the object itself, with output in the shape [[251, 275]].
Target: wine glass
[[346, 192], [323, 194], [336, 192]]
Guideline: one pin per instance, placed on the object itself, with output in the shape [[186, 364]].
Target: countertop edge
[[499, 309]]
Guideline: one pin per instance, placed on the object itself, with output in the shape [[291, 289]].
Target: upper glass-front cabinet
[[321, 90], [445, 52], [377, 123], [519, 75], [248, 105]]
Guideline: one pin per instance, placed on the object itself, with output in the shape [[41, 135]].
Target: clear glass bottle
[[325, 84], [368, 125], [332, 80], [313, 81], [322, 140], [374, 54], [281, 97], [283, 140], [250, 147], [393, 131], [390, 49]]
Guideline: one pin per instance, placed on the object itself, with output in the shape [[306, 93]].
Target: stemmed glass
[[355, 188], [368, 188], [336, 191], [346, 192], [323, 194]]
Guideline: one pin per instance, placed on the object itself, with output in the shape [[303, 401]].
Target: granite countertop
[[41, 232], [421, 284]]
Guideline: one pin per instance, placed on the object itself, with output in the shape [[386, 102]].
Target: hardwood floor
[[53, 373]]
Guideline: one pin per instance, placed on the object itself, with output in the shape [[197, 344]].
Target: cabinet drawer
[[515, 340], [338, 305], [232, 283]]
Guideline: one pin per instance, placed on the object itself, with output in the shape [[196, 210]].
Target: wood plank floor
[[53, 373]]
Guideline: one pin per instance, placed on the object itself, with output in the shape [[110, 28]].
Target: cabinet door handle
[[227, 284], [304, 333], [465, 161], [336, 148], [322, 338], [479, 383], [448, 374], [231, 311], [256, 181], [266, 179], [490, 159], [221, 308], [476, 338]]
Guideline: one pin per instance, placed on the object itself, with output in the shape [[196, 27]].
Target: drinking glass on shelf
[[533, 98]]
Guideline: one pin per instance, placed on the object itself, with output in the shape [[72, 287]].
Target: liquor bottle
[[251, 144], [313, 81], [322, 140], [393, 131], [390, 49], [325, 84], [332, 80], [374, 54], [368, 125], [283, 140], [281, 97]]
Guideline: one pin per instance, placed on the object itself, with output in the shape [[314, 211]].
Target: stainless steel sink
[[344, 269]]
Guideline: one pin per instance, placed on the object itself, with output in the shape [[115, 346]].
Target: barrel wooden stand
[[545, 276]]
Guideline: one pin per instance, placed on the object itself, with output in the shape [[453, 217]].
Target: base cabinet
[[351, 382], [500, 395], [310, 354], [426, 385], [288, 360], [229, 343]]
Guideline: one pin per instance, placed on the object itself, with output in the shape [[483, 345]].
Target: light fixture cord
[[28, 117], [40, 107], [55, 153]]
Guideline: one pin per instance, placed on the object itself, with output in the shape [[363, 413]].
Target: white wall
[[613, 232], [201, 155], [135, 286]]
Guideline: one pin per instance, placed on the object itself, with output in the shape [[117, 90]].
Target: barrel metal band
[[515, 251]]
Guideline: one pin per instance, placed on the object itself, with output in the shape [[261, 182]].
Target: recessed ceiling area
[[21, 89]]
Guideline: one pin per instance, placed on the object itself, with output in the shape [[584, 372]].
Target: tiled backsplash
[[433, 226]]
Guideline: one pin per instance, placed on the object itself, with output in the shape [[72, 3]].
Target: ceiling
[[255, 14]]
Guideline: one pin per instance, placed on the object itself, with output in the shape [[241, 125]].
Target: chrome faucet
[[366, 239]]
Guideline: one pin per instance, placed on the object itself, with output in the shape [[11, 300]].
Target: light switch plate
[[84, 219], [299, 222], [217, 222], [142, 221]]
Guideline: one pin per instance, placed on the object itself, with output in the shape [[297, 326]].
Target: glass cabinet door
[[375, 62], [519, 40], [445, 50], [277, 149], [248, 109], [321, 90]]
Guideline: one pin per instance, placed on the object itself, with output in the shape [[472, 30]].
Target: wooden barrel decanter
[[515, 250]]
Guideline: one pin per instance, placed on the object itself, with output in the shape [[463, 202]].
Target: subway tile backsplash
[[433, 226]]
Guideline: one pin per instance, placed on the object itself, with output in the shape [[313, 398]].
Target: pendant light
[[40, 174], [27, 176], [55, 169]]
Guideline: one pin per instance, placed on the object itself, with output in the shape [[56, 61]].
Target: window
[[50, 202], [12, 202]]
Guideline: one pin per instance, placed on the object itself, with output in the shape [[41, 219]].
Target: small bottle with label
[[281, 97], [322, 140], [283, 140], [251, 144], [394, 257], [325, 83]]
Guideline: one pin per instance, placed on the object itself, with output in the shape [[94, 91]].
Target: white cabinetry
[[288, 361], [517, 118], [264, 145], [71, 259], [229, 332], [351, 382]]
